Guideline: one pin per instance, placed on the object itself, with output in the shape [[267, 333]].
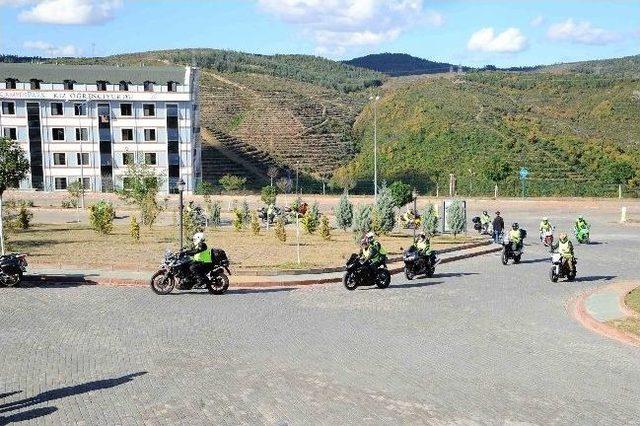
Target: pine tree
[[246, 213], [325, 229], [385, 210], [344, 213], [456, 217], [213, 209], [362, 220], [430, 220], [280, 231], [134, 229], [237, 219], [255, 223], [311, 219]]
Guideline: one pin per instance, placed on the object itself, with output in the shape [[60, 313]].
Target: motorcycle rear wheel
[[218, 285], [162, 283], [383, 278], [430, 271], [408, 274], [349, 281], [12, 278], [553, 275]]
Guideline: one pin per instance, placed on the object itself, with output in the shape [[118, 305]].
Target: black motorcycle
[[416, 264], [175, 270], [12, 267], [510, 252], [361, 273], [560, 268]]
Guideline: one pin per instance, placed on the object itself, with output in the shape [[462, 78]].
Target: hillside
[[626, 67], [399, 64], [574, 132]]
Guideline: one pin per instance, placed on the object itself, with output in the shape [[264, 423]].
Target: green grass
[[630, 324], [632, 299]]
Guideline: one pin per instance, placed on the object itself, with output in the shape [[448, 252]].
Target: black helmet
[[515, 225]]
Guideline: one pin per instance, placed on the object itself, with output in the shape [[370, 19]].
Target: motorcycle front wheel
[[553, 275], [218, 284], [571, 276], [505, 258], [408, 274], [349, 281], [383, 278], [12, 278], [162, 282]]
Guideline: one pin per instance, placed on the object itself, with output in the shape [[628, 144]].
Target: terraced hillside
[[576, 133]]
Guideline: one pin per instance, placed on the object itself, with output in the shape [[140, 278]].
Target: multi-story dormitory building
[[88, 122]]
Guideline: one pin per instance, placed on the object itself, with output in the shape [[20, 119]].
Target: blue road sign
[[523, 173]]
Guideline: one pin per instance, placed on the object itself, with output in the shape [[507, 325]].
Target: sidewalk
[[598, 307], [71, 274]]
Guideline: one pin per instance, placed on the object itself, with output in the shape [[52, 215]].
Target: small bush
[[213, 211], [430, 220], [204, 188], [23, 221], [280, 231], [193, 219], [325, 229], [362, 220], [311, 219], [231, 183], [344, 213], [255, 223], [268, 195], [456, 217], [385, 212], [134, 229], [246, 213], [237, 219], [149, 209], [101, 215]]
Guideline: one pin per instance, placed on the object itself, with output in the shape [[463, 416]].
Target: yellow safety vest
[[514, 235], [203, 256], [565, 249]]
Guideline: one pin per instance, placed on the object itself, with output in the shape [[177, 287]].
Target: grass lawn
[[78, 245], [631, 325]]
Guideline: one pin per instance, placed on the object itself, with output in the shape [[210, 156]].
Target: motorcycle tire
[[552, 275], [517, 259], [430, 272], [218, 285], [349, 281], [505, 258], [408, 274], [571, 276], [12, 278], [162, 283], [383, 278]]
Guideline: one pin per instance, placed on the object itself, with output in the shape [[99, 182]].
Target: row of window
[[82, 158], [82, 134], [80, 109], [101, 85], [61, 182]]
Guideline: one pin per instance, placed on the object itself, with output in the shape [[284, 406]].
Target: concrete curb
[[578, 310]]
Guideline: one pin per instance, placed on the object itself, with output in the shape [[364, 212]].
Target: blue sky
[[468, 32]]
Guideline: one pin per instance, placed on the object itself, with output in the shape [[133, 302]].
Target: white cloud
[[338, 25], [537, 21], [71, 12], [510, 40], [49, 49], [582, 32]]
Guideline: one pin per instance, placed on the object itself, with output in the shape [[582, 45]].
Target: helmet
[[370, 237], [484, 212], [580, 217], [563, 237], [545, 219], [198, 238], [515, 225], [498, 213], [423, 235]]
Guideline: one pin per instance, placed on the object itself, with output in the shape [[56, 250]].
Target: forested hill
[[628, 66], [400, 64]]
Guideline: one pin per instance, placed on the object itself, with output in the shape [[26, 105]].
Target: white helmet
[[198, 238]]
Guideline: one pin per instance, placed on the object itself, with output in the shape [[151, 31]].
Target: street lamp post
[[181, 186], [415, 212], [375, 146]]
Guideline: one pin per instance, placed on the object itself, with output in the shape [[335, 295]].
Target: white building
[[88, 122]]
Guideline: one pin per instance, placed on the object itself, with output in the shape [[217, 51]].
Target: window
[[150, 158], [149, 110], [68, 84], [35, 84], [10, 133], [82, 134], [127, 134], [148, 86], [149, 135], [127, 158], [86, 182], [79, 109], [125, 110], [56, 108], [172, 86], [11, 83], [8, 108], [82, 158], [57, 134], [61, 183], [124, 86], [59, 159], [101, 85]]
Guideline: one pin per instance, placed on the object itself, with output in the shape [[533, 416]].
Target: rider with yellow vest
[[372, 251], [565, 248], [515, 236], [423, 244], [201, 257]]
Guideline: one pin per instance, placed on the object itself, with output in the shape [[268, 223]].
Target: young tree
[[141, 187], [280, 231], [255, 223], [456, 217], [325, 228], [311, 219], [497, 169], [231, 183], [385, 210], [401, 193], [237, 219], [345, 178], [14, 167], [24, 216], [268, 195], [193, 219], [246, 213], [362, 220], [101, 216], [430, 220], [272, 172], [213, 210], [134, 229], [344, 212]]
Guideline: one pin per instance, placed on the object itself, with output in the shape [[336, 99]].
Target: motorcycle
[[411, 221], [583, 234], [560, 268], [359, 274], [12, 268], [546, 237], [175, 270], [508, 251], [478, 225], [416, 264]]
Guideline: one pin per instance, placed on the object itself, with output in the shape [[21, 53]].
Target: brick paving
[[477, 343]]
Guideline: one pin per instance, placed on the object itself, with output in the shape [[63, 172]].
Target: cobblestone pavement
[[478, 343]]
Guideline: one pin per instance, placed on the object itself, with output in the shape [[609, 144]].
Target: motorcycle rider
[[545, 226], [565, 248], [485, 220], [371, 251], [201, 256], [498, 227], [409, 217], [423, 244], [515, 237], [581, 223]]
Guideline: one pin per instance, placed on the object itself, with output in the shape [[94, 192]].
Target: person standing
[[498, 227]]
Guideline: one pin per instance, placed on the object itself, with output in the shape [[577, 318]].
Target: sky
[[473, 33]]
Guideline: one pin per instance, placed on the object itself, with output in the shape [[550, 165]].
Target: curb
[[578, 310]]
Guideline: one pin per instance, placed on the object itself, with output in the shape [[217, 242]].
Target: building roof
[[89, 74]]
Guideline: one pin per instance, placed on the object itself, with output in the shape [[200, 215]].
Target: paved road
[[478, 343]]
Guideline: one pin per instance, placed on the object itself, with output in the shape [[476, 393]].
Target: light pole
[[375, 146], [181, 186], [415, 212], [86, 105]]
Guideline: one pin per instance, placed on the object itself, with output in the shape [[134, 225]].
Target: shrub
[[231, 183], [311, 219], [268, 195], [149, 209], [246, 213], [401, 193], [362, 220], [101, 215], [280, 231], [193, 219], [204, 188], [75, 192], [344, 213], [255, 223], [237, 219], [23, 220], [213, 211], [430, 220], [385, 213], [456, 217], [141, 186], [134, 229], [325, 229]]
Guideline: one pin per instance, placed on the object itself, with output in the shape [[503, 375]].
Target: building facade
[[89, 123]]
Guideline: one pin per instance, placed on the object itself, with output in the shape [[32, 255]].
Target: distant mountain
[[625, 67], [400, 64]]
